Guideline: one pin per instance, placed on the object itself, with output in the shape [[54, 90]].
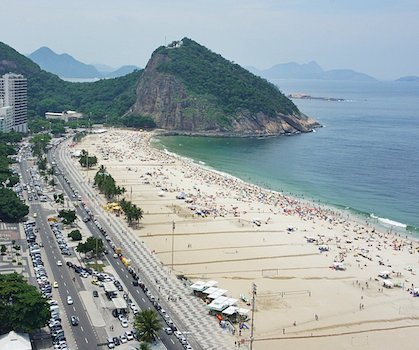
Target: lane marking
[[172, 341], [81, 327], [86, 340]]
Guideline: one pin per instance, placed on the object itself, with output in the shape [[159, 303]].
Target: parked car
[[69, 300]]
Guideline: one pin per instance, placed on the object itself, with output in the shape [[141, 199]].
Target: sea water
[[365, 159]]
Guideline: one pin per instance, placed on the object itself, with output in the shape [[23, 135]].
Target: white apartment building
[[6, 119], [13, 93]]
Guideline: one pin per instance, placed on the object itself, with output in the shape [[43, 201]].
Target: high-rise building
[[13, 93]]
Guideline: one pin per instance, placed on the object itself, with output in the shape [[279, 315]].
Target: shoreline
[[237, 233], [353, 214]]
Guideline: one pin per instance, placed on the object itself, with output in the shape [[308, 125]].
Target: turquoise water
[[366, 158]]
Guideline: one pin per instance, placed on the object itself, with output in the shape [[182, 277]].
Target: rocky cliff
[[186, 88]]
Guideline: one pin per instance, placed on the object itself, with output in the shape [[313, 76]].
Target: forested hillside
[[47, 92]]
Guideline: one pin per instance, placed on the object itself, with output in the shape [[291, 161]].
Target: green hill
[[47, 92], [205, 72], [187, 88]]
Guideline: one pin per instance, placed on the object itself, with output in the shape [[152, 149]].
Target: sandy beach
[[238, 234]]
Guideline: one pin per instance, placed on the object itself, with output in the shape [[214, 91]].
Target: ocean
[[365, 159]]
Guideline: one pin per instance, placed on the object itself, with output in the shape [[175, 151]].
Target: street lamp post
[[173, 240], [253, 315]]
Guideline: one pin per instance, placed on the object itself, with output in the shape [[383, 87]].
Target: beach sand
[[301, 300]]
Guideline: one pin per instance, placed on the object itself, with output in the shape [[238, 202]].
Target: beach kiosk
[[384, 274]]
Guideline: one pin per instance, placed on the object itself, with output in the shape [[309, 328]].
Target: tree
[[92, 244], [59, 198], [87, 161], [75, 235], [52, 183], [22, 307], [145, 346], [40, 143], [147, 325], [11, 207], [68, 216]]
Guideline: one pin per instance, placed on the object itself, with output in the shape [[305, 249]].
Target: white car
[[69, 300], [59, 263], [124, 323], [123, 339], [129, 335]]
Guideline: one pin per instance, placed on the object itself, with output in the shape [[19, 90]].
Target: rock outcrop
[[179, 106]]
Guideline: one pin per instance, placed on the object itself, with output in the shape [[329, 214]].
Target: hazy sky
[[377, 37]]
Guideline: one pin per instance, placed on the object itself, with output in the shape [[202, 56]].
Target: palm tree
[[147, 325], [144, 346]]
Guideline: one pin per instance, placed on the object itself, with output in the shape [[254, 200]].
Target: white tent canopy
[[221, 303], [15, 341], [200, 286]]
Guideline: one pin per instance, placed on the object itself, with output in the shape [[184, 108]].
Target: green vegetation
[[147, 325], [92, 245], [67, 216], [39, 144], [131, 211], [106, 184], [22, 307], [212, 78], [11, 207], [138, 121], [87, 161], [106, 99], [75, 235], [59, 198]]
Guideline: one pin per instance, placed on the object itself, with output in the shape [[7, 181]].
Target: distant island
[[409, 78], [301, 96], [310, 70], [66, 66]]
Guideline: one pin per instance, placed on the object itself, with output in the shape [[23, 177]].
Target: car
[[116, 341], [168, 330], [55, 285], [123, 339], [35, 215], [111, 344], [187, 347], [69, 300], [95, 293], [135, 283], [59, 263], [124, 323], [129, 335], [178, 334], [74, 320]]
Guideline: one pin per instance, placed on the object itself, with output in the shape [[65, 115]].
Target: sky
[[376, 37]]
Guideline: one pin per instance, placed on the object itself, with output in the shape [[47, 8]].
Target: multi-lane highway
[[84, 335], [136, 293]]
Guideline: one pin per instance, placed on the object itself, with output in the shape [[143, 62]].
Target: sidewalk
[[195, 319]]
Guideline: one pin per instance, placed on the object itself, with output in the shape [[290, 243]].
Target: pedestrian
[[235, 344], [295, 323], [283, 330], [316, 317]]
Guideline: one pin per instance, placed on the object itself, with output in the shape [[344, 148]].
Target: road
[[84, 334], [169, 341]]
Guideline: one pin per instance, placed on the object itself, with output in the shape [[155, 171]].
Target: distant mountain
[[63, 65], [409, 78], [66, 66], [47, 92], [124, 70], [309, 70]]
